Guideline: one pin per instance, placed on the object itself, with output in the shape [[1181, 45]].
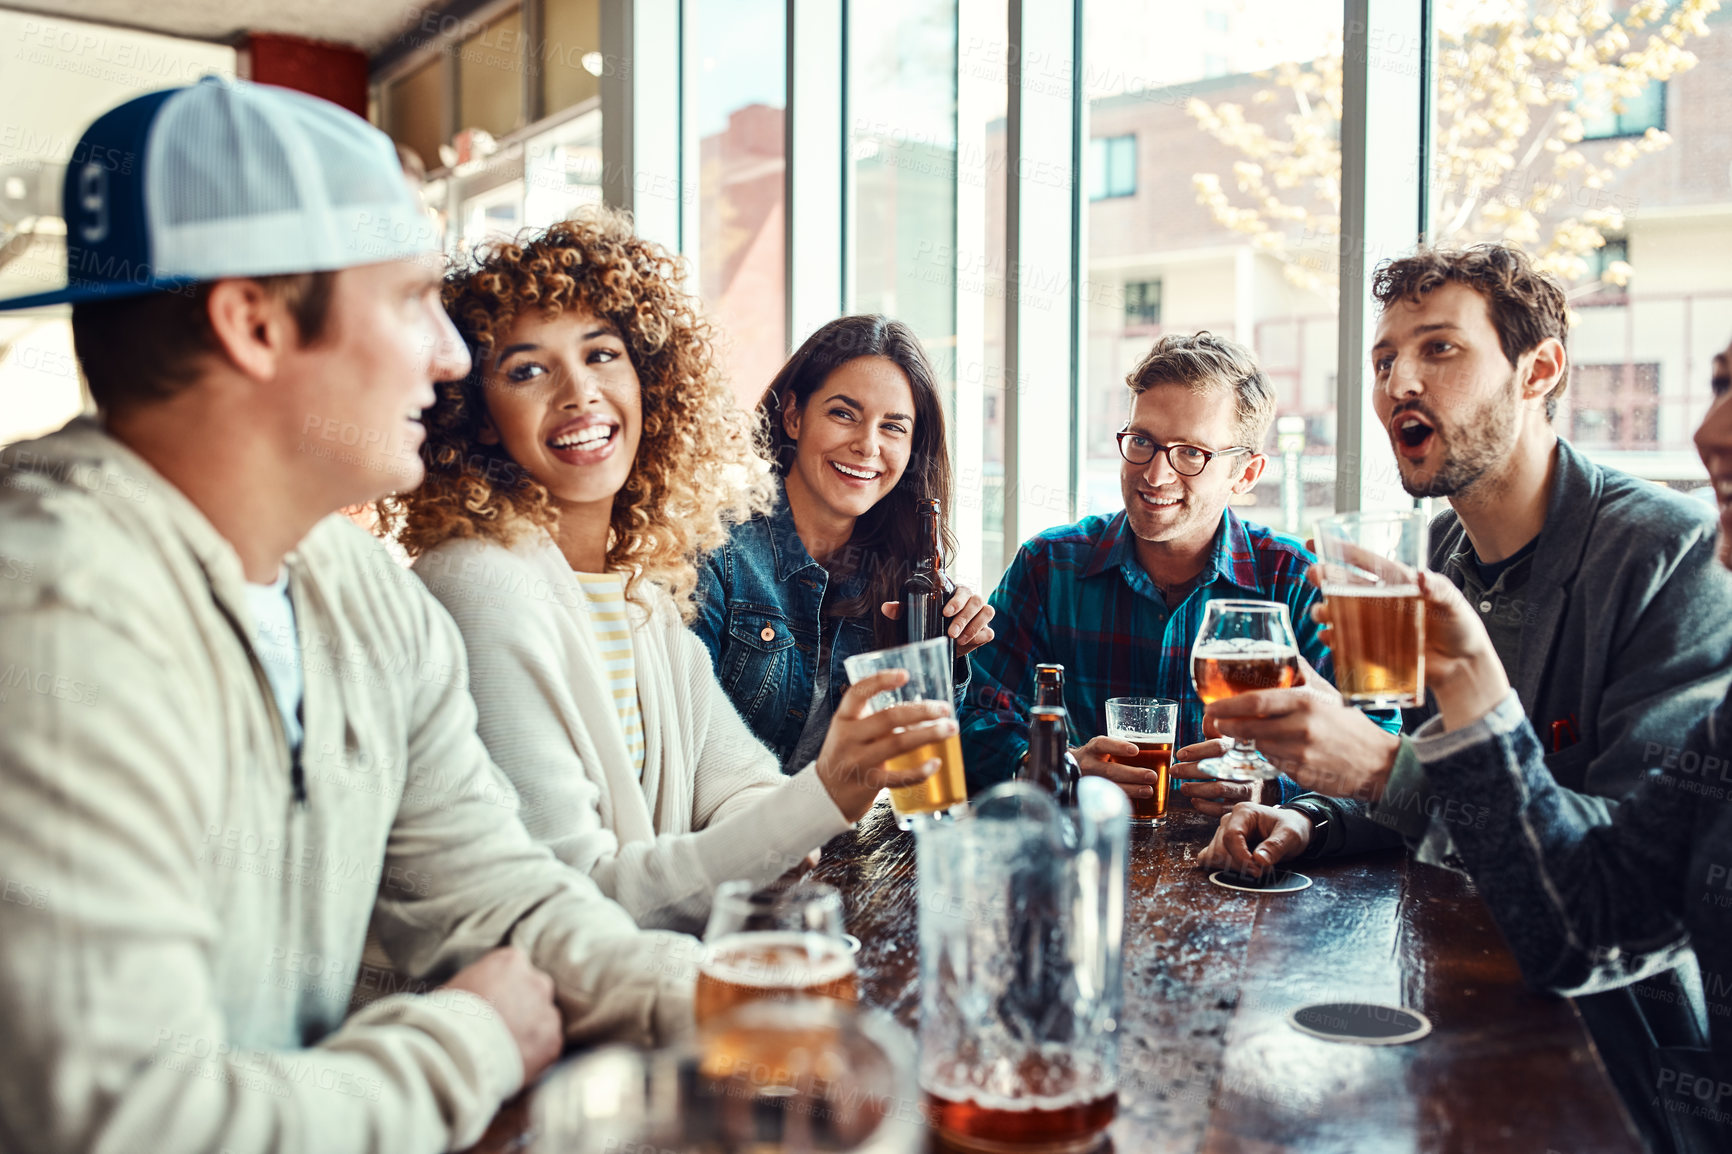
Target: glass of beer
[[773, 944], [809, 1075], [1368, 564], [929, 679], [1153, 724], [1242, 646]]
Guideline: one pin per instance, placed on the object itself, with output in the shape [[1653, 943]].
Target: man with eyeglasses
[[1118, 599]]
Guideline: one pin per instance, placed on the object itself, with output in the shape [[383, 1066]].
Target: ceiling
[[366, 24]]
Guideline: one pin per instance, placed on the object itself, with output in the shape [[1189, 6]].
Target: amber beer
[[1223, 669], [944, 789], [1158, 756], [758, 965], [1052, 1127], [1377, 634]]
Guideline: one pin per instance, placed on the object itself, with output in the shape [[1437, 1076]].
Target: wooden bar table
[[1208, 1060], [1209, 1063]]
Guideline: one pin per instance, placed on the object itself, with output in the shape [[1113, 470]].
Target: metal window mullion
[[690, 207], [1078, 276], [1383, 114], [641, 92], [846, 171], [530, 62], [975, 93], [1041, 348]]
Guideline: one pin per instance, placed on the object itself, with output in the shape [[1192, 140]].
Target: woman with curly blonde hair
[[573, 480]]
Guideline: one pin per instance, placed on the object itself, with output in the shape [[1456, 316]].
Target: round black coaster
[[1366, 1023], [1280, 882]]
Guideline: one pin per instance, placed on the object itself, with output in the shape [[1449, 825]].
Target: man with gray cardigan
[[233, 731], [1600, 593]]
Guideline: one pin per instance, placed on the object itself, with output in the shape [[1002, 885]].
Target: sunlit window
[[741, 250], [1235, 225], [1112, 166]]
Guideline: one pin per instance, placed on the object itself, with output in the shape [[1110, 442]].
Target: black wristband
[[1320, 818]]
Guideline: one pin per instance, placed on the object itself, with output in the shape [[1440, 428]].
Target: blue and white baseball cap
[[225, 179]]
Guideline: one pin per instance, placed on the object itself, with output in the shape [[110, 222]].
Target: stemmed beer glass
[[1242, 646]]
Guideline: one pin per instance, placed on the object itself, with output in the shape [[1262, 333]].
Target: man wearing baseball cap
[[232, 730]]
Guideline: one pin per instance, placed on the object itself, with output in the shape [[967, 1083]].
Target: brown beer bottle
[[1048, 762], [928, 588], [1048, 692]]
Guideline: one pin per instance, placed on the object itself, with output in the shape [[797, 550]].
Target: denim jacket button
[[768, 633]]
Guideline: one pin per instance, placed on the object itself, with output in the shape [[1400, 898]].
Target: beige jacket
[[180, 939], [713, 804]]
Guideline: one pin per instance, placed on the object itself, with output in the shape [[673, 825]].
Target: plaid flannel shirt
[[1078, 595]]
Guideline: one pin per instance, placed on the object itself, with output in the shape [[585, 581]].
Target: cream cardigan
[[712, 805]]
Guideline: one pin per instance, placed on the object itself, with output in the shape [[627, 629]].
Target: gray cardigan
[[1628, 637]]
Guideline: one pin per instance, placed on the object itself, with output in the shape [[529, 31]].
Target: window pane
[[1623, 223], [414, 110], [1142, 304], [742, 95], [902, 104], [48, 106], [562, 170], [490, 203], [1255, 264], [570, 56], [490, 78], [1124, 166]]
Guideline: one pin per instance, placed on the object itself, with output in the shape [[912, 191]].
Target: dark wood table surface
[[1208, 1060]]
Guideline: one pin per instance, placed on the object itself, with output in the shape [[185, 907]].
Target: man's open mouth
[[1411, 431]]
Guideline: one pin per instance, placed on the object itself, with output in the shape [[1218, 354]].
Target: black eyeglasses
[[1186, 460]]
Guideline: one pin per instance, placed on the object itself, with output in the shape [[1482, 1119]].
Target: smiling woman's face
[[854, 433], [563, 400]]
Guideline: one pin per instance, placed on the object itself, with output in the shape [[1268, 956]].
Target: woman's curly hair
[[695, 467]]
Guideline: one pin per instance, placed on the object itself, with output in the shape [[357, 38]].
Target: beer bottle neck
[[1049, 686], [931, 557]]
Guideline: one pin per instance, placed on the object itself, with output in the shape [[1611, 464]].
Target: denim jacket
[[760, 603]]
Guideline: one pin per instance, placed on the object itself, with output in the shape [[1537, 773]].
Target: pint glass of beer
[[773, 944], [1369, 565], [929, 679], [1153, 724]]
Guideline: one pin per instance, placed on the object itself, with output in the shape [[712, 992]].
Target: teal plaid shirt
[[1078, 595]]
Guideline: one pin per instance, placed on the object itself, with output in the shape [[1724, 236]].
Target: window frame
[[1621, 131]]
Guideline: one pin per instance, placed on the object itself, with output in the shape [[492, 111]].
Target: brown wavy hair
[[1526, 305], [695, 467]]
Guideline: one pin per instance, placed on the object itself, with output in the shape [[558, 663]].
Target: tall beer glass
[[1153, 724], [773, 944], [929, 679], [1242, 646], [1368, 565]]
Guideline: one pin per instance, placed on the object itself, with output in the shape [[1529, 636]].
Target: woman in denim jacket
[[854, 429]]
